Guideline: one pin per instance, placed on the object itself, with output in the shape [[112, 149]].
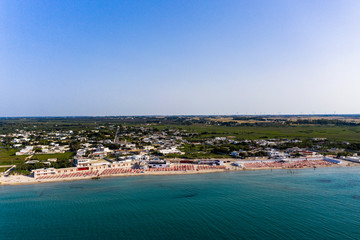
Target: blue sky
[[60, 58]]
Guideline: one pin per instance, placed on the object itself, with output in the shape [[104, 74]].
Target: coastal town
[[119, 150], [180, 120]]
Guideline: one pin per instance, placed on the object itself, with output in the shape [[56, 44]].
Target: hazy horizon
[[193, 115], [138, 58]]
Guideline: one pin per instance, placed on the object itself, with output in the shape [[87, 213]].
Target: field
[[59, 156], [334, 127], [335, 133], [8, 157]]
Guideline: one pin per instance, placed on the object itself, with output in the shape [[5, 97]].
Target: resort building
[[82, 162], [43, 172], [85, 162], [211, 162], [158, 164]]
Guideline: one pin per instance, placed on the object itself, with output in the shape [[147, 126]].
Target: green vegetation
[[8, 157], [345, 128], [59, 156], [335, 133], [203, 151], [196, 136], [25, 169]]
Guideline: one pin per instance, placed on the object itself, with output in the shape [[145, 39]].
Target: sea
[[322, 203]]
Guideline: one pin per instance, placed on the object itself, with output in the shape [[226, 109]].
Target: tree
[[37, 149], [74, 146]]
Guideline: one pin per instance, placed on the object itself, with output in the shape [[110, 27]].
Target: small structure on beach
[[158, 164], [211, 162]]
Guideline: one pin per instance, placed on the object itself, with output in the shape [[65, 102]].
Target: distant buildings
[[277, 154], [26, 151], [170, 150]]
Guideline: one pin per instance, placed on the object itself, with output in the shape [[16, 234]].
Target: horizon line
[[183, 115]]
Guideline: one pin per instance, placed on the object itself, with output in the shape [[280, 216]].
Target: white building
[[158, 164], [211, 162], [148, 148], [236, 153], [82, 162], [170, 150], [81, 152], [26, 151], [352, 159], [43, 172], [220, 138], [140, 157], [277, 154]]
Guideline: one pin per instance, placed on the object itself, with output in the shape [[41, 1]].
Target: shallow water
[[279, 204]]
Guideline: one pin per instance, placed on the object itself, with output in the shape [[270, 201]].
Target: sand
[[23, 180]]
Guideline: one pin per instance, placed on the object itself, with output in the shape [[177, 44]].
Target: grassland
[[59, 156], [335, 133], [8, 157]]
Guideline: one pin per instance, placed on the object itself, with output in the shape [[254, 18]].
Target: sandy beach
[[24, 180]]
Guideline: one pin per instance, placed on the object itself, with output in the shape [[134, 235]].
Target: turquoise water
[[280, 204]]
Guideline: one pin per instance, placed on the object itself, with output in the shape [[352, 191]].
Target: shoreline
[[14, 180], [31, 181]]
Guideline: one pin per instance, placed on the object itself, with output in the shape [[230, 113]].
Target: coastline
[[25, 180]]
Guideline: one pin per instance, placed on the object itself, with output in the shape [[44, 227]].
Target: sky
[[178, 57]]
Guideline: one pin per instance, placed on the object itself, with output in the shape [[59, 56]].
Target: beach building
[[277, 154], [309, 154], [158, 164], [352, 159], [43, 172], [86, 162], [332, 160], [82, 162], [123, 163], [211, 162]]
